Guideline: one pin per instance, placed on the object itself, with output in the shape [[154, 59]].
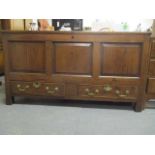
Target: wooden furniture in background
[[77, 65], [1, 69], [151, 73], [1, 49]]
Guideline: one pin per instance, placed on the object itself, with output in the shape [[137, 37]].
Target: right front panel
[[120, 59]]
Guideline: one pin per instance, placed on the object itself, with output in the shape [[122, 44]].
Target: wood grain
[[69, 57], [121, 59]]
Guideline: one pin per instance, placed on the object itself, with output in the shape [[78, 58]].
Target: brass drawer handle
[[87, 90], [117, 92], [52, 91], [107, 88], [91, 93], [97, 91], [19, 87], [36, 85], [127, 92]]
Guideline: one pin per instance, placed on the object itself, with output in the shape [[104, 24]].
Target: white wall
[[116, 25]]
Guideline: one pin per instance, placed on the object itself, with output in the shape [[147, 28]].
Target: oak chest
[[77, 65]]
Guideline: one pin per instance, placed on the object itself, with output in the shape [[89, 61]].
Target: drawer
[[37, 88], [108, 91], [151, 86], [152, 68], [26, 88]]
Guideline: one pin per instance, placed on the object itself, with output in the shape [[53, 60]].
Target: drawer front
[[152, 68], [151, 86], [37, 88], [24, 88], [108, 91]]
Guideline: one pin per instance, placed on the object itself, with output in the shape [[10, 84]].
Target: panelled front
[[27, 57], [69, 59], [89, 66]]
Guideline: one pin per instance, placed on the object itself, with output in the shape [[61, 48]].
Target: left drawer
[[27, 88]]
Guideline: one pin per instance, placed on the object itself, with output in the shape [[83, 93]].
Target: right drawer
[[108, 91], [151, 86]]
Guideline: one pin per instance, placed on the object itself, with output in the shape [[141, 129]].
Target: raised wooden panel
[[120, 59], [1, 62], [152, 68], [73, 58], [151, 86], [27, 57], [153, 49]]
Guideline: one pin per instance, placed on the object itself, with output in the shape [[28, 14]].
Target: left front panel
[[27, 57]]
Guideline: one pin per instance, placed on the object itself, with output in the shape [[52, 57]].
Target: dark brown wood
[[1, 55], [69, 57], [1, 62], [4, 25], [77, 65]]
